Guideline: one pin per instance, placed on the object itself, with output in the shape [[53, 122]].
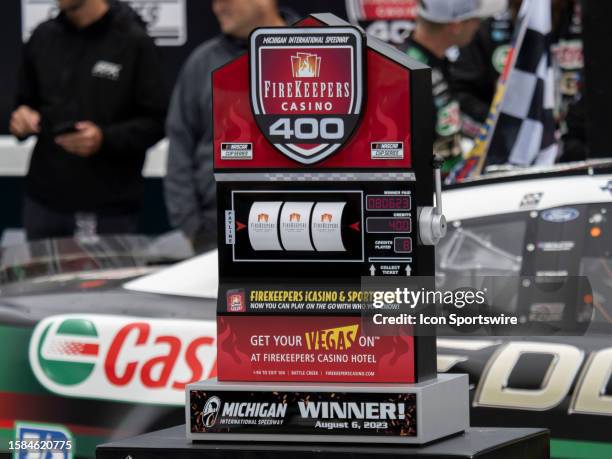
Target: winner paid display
[[323, 163]]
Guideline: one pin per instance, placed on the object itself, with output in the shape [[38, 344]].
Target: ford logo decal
[[560, 215]]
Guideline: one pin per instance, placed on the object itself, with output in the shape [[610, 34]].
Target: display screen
[[388, 225], [385, 202], [402, 245]]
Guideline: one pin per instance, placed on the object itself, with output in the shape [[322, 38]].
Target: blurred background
[[179, 26], [508, 216], [185, 24]]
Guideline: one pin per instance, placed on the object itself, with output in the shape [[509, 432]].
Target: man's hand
[[24, 122], [85, 142]]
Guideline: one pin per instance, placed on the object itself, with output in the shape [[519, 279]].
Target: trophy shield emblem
[[307, 88]]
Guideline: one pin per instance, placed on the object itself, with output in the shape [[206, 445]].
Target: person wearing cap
[[441, 25], [475, 73]]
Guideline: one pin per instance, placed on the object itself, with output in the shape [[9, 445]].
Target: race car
[[99, 336]]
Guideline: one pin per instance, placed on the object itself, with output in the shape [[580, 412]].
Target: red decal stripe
[[90, 349]]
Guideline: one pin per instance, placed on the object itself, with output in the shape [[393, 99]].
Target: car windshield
[[119, 256]]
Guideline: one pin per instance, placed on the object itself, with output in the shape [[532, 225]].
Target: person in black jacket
[[91, 89]]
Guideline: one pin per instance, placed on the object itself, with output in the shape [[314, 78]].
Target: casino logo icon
[[305, 65], [307, 88], [236, 301]]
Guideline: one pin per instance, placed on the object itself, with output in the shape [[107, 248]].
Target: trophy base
[[481, 443], [307, 412]]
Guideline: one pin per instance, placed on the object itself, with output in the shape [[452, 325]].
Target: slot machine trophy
[[322, 155]]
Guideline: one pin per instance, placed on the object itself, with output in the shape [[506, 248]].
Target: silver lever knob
[[432, 223]]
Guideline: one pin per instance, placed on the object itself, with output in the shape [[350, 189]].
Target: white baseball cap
[[444, 11]]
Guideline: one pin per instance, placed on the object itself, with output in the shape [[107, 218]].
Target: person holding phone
[[91, 90]]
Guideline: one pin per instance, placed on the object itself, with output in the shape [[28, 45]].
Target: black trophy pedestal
[[476, 442]]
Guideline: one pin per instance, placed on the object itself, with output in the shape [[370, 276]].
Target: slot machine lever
[[432, 223]]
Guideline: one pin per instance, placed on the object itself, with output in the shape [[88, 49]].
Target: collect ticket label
[[263, 225], [295, 226], [326, 226]]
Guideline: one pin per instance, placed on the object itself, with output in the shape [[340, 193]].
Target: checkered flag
[[525, 130], [520, 128]]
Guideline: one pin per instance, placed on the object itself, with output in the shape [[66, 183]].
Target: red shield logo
[[307, 88]]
